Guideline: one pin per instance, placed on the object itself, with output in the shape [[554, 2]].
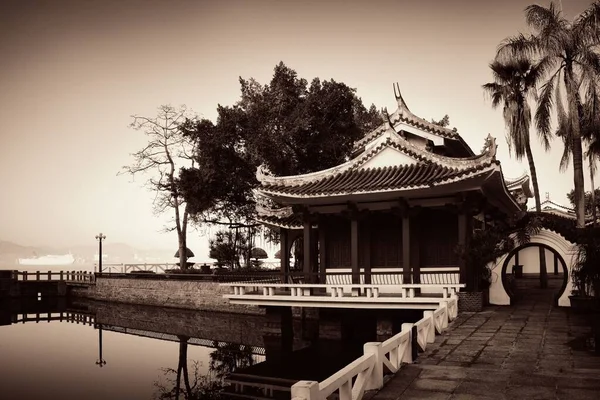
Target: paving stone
[[485, 375], [532, 380], [480, 388], [530, 392], [468, 396], [412, 394], [466, 352], [443, 373], [490, 360], [578, 382], [577, 394], [436, 385]]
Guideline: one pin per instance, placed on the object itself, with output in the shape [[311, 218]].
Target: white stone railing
[[367, 371], [406, 291], [394, 276]]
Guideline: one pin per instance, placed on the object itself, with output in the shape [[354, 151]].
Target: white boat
[[64, 259]]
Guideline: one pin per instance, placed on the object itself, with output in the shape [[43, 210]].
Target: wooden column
[[284, 253], [463, 243], [415, 246], [307, 258], [406, 272], [555, 264], [354, 249], [322, 252], [367, 248], [314, 237]]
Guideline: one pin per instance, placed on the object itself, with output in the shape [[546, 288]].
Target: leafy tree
[[228, 246], [288, 125], [590, 200], [565, 51], [167, 151], [258, 253], [514, 84]]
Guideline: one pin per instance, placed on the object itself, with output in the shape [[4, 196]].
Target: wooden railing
[[73, 276], [55, 316], [366, 372]]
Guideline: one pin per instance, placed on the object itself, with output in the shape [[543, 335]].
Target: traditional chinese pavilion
[[397, 211]]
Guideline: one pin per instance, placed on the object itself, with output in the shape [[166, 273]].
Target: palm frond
[[564, 132], [587, 25], [543, 113], [495, 92], [520, 45], [540, 17]]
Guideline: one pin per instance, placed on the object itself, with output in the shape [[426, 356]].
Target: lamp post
[[100, 237], [100, 362]]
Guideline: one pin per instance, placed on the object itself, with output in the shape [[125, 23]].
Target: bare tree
[[164, 155]]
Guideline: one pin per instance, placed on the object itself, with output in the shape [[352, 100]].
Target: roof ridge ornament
[[386, 114], [490, 147], [263, 171], [401, 103]]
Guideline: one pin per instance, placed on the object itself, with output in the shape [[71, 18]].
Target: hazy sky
[[72, 73]]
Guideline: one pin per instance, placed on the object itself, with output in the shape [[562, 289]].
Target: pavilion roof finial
[[401, 103], [547, 196]]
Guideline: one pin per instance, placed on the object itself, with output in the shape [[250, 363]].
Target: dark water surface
[[59, 359]]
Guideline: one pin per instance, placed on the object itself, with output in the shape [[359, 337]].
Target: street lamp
[[100, 237], [100, 362]]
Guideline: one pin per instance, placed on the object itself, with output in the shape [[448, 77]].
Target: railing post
[[37, 275], [24, 275], [49, 275], [375, 380], [444, 305], [61, 275], [407, 357], [431, 329], [305, 390]]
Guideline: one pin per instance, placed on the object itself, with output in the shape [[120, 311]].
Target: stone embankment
[[187, 294]]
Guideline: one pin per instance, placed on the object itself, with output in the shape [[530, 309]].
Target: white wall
[[529, 258]]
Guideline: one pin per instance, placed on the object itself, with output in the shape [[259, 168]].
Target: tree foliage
[[589, 200], [289, 125], [227, 247]]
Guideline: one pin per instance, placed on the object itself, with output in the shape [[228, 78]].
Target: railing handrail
[[347, 285], [346, 374], [81, 276]]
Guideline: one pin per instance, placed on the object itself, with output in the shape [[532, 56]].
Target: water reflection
[[149, 352]]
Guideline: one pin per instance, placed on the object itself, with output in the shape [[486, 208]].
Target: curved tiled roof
[[403, 114], [396, 177], [293, 221], [391, 139]]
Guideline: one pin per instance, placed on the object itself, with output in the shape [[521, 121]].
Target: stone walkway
[[528, 351]]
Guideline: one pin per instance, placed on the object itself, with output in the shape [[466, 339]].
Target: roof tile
[[375, 179]]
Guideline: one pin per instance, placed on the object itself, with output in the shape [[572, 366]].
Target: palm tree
[[566, 51], [514, 84]]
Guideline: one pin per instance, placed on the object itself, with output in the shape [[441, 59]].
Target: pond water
[[116, 351]]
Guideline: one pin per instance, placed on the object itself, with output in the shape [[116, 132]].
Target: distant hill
[[10, 248], [115, 252]]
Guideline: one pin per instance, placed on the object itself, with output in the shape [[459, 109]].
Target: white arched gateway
[[563, 252]]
